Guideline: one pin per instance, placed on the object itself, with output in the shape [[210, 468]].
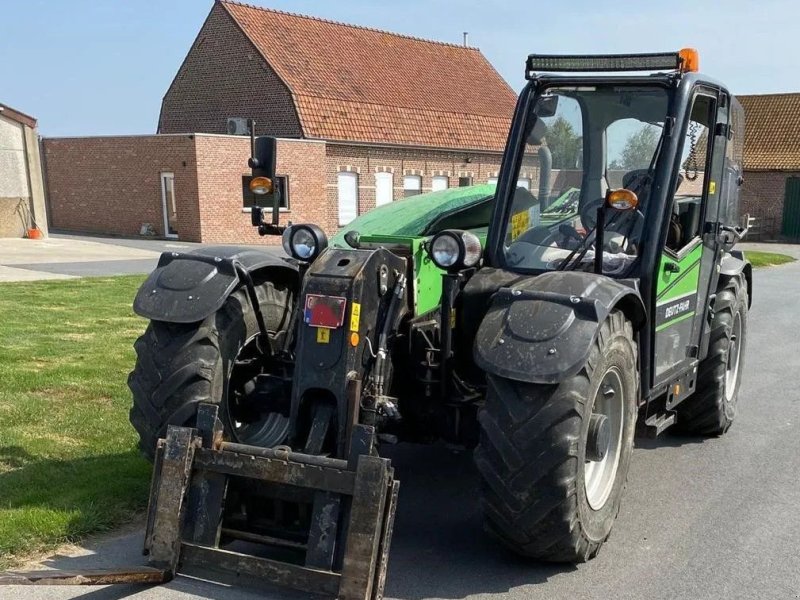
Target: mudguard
[[735, 263], [187, 287], [541, 329]]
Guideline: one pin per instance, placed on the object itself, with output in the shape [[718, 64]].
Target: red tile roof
[[772, 132], [357, 84]]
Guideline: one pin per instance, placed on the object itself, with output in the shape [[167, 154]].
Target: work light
[[304, 242], [453, 249]]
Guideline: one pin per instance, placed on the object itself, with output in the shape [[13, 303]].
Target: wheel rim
[[734, 357], [268, 428], [609, 404]]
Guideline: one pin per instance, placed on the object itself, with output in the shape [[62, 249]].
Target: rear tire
[[540, 496], [712, 408], [180, 365]]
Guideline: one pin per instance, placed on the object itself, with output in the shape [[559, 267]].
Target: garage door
[[791, 209]]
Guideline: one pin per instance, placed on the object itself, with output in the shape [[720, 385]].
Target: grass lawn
[[767, 259], [68, 462]]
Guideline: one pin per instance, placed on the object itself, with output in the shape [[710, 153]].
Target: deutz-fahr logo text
[[676, 309]]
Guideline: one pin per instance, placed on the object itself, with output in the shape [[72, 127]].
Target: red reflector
[[324, 311]]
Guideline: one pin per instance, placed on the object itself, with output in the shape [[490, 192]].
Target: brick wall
[[113, 184], [366, 161], [762, 196], [224, 76], [222, 160]]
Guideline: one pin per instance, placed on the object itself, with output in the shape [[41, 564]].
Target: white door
[[440, 182], [524, 182], [347, 184], [492, 180], [384, 188], [168, 204]]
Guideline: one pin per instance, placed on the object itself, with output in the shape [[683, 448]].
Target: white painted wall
[[13, 173]]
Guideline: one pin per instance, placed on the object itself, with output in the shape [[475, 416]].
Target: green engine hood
[[410, 217]]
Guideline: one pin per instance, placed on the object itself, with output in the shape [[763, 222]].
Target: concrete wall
[[21, 191]]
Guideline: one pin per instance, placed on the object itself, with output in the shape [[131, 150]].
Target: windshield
[[585, 141]]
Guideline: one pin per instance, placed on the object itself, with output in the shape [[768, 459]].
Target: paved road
[[702, 519], [63, 256]]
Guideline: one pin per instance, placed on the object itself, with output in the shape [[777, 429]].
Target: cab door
[[686, 268]]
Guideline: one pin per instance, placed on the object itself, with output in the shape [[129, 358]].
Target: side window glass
[[687, 208]]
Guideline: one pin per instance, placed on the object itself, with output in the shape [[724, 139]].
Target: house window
[[347, 185], [464, 181], [249, 199], [384, 188], [412, 185], [524, 182], [440, 182]]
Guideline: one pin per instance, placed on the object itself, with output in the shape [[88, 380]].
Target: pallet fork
[[354, 505]]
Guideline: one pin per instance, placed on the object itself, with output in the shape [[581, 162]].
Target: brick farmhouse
[[363, 117], [771, 190]]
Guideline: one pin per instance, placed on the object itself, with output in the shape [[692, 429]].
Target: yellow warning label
[[323, 335], [712, 187], [355, 316], [520, 222]]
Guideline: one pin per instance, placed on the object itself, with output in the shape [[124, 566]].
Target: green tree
[[565, 145], [639, 149]]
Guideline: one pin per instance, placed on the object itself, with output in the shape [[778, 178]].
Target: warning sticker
[[712, 187], [323, 335], [520, 223], [355, 316]]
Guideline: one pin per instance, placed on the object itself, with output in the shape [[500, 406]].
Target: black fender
[[735, 263], [541, 329], [187, 287]]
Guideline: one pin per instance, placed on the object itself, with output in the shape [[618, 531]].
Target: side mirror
[[546, 106]]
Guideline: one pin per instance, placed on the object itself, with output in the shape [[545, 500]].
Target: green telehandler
[[539, 322]]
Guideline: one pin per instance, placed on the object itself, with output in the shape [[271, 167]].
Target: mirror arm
[[598, 239]]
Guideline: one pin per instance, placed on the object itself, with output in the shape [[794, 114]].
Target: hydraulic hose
[[398, 293]]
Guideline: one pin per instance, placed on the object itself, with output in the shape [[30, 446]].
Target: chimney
[[466, 39]]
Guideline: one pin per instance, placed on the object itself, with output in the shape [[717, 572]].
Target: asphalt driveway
[[702, 519]]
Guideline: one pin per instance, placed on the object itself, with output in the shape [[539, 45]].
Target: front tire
[[712, 408], [545, 493], [180, 365]]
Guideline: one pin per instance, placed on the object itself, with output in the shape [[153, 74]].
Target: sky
[[101, 67]]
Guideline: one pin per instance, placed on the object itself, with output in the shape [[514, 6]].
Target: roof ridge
[[351, 25], [418, 108]]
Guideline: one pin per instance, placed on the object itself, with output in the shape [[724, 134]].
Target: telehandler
[[539, 321]]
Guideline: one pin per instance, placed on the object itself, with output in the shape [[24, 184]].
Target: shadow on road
[[439, 547]]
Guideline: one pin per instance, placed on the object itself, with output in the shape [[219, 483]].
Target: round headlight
[[454, 249], [304, 242], [445, 250]]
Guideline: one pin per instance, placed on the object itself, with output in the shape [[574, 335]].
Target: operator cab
[[599, 134]]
